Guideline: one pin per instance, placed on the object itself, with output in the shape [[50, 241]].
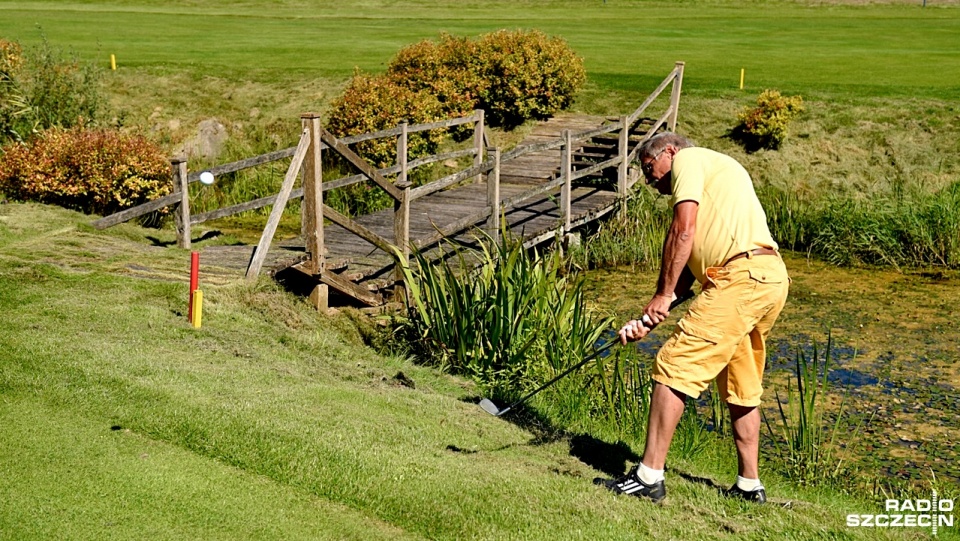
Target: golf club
[[491, 408]]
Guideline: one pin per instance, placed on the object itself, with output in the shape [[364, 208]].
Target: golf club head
[[490, 407]]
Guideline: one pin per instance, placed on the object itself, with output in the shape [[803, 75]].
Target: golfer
[[718, 237]]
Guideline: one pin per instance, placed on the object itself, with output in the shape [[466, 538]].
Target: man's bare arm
[[676, 254]]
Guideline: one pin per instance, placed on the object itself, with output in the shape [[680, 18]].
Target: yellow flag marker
[[197, 308], [741, 78]]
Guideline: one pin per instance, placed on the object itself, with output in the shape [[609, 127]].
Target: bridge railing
[[306, 158]]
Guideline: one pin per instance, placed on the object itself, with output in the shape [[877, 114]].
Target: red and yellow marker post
[[195, 308]]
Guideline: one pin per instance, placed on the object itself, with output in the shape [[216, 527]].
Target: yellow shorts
[[724, 333]]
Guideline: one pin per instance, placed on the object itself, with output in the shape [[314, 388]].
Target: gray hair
[[653, 146]]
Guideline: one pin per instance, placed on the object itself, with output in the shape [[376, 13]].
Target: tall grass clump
[[509, 323], [635, 238], [905, 228], [42, 88], [625, 386], [803, 440]]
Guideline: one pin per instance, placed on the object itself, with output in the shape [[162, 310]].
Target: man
[[718, 237]]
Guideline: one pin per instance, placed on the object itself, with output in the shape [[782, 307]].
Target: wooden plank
[[245, 164], [359, 163], [653, 95], [357, 229], [450, 180], [137, 211], [347, 287], [260, 253], [242, 207]]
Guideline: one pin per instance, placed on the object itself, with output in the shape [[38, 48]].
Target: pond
[[895, 355]]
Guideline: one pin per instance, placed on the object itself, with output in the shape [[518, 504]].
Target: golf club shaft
[[603, 348]]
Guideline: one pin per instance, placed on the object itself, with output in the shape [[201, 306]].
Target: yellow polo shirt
[[730, 219]]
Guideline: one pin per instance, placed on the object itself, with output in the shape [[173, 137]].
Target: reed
[[509, 318], [804, 442]]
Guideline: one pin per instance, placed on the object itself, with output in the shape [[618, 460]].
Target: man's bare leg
[[666, 408], [746, 434]]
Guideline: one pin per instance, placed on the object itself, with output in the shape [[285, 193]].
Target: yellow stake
[[113, 62], [741, 78], [197, 308]]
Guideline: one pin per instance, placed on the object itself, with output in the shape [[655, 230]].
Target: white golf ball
[[206, 177]]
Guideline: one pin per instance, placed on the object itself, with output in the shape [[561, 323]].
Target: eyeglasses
[[647, 168]]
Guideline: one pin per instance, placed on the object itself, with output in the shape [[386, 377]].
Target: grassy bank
[[271, 422]]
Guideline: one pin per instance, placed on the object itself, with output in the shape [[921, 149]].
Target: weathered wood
[[336, 281], [450, 180], [244, 164], [624, 150], [566, 172], [401, 211], [493, 195], [587, 171], [675, 96], [359, 163], [457, 226], [358, 229], [632, 117], [311, 211], [137, 211], [242, 207], [182, 217], [260, 253], [478, 137]]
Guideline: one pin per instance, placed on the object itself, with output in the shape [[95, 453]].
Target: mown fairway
[[899, 49], [118, 420]]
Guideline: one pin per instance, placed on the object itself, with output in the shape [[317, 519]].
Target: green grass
[[894, 49], [274, 422]]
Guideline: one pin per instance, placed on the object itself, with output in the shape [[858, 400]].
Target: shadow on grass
[[212, 234], [606, 457]]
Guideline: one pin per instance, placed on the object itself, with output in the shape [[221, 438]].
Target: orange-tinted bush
[[450, 70], [529, 75], [377, 102], [93, 171], [512, 75]]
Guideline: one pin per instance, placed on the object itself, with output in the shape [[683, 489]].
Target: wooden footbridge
[[571, 170]]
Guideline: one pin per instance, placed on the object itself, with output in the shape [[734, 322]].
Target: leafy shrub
[[450, 70], [766, 125], [513, 76], [93, 171], [528, 74], [41, 89], [378, 102]]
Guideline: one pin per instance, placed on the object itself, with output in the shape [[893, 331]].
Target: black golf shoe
[[632, 485], [756, 496]]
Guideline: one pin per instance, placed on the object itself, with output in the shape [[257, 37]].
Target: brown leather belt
[[755, 251]]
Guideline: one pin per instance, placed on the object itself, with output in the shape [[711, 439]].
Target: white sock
[[649, 476], [748, 485]]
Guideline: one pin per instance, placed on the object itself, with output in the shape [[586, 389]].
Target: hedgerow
[[93, 171]]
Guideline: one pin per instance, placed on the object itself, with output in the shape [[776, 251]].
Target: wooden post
[[401, 213], [178, 166], [311, 211], [566, 170], [478, 141], [675, 97], [493, 195], [623, 146]]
